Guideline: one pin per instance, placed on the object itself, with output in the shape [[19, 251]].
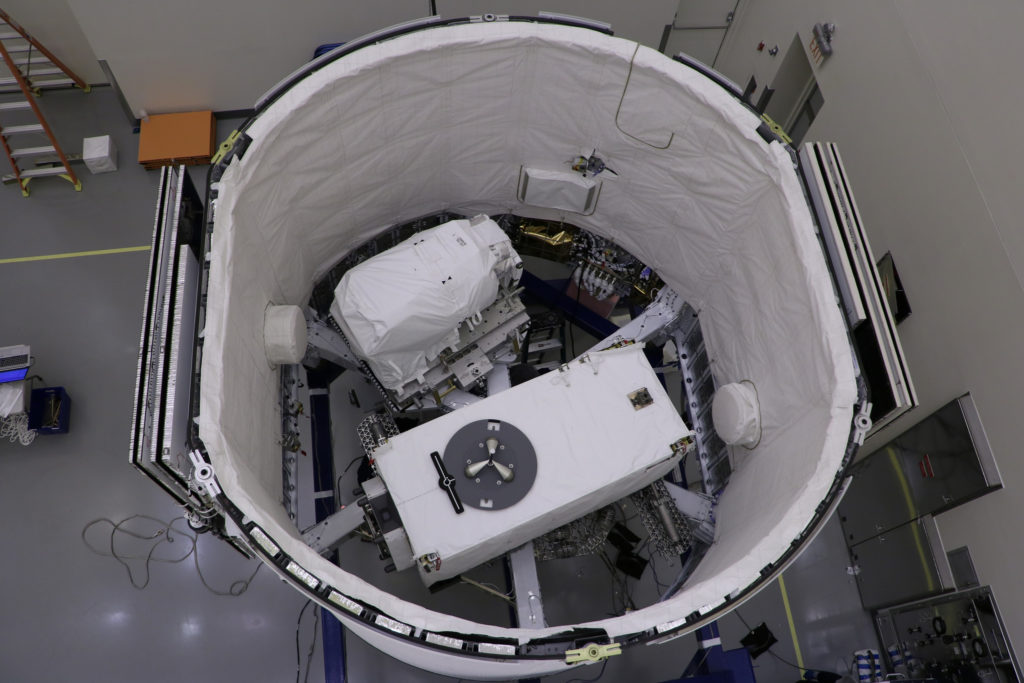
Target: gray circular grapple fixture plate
[[487, 491]]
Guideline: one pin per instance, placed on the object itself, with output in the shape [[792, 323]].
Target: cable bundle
[[15, 428], [166, 533]]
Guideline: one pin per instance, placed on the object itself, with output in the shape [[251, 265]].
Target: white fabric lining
[[444, 119]]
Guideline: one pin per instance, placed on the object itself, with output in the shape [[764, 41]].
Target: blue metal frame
[[323, 479], [553, 297], [334, 648], [13, 375], [713, 664]]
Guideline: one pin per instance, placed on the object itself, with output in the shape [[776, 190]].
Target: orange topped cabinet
[[173, 139]]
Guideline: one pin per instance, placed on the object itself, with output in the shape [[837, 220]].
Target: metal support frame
[[696, 507], [324, 342], [872, 326], [328, 522], [690, 559], [669, 317], [296, 438], [161, 418], [332, 530], [498, 379], [656, 321], [529, 606], [520, 563], [480, 347], [698, 391], [334, 648], [323, 447], [711, 663], [579, 315]]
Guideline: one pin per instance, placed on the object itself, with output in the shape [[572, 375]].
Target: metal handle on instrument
[[447, 482], [506, 472], [474, 469]]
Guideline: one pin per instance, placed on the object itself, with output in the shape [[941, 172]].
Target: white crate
[[100, 154]]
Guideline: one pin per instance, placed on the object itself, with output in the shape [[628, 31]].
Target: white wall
[[924, 99], [180, 55], [53, 24], [699, 28]]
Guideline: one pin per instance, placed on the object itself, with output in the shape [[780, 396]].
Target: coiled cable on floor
[[15, 428], [166, 533]]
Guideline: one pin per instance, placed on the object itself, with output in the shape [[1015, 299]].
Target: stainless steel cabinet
[[941, 462], [952, 637], [901, 564], [877, 500]]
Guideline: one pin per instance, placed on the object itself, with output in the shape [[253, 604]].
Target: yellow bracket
[[87, 88], [592, 652], [684, 445], [777, 129], [450, 389], [76, 183], [25, 181], [619, 344], [225, 147]]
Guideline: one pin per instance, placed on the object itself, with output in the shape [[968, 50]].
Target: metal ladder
[[24, 132]]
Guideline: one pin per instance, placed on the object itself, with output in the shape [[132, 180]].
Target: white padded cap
[[736, 414], [284, 334]]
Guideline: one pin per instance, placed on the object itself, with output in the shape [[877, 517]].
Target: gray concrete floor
[[69, 614]]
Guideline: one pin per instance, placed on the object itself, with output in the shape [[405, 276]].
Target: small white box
[[100, 154]]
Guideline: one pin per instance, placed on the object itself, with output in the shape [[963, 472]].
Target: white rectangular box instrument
[[530, 459]]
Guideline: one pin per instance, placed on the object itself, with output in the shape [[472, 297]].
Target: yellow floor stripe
[[792, 625], [73, 254]]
